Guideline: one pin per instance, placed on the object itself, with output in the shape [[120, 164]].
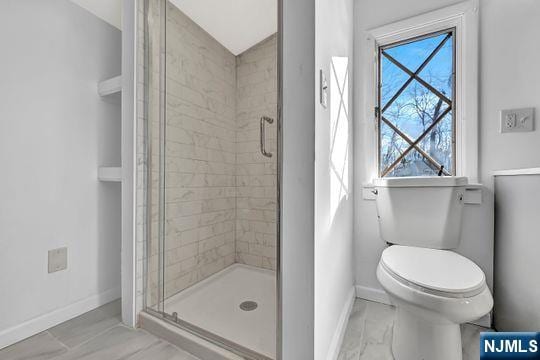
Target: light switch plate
[[57, 259], [517, 120]]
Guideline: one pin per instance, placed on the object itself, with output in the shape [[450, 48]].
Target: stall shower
[[211, 182]]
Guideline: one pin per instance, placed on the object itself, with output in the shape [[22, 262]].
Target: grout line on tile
[[56, 339], [93, 337]]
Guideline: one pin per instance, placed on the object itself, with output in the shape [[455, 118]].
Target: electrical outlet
[[517, 120], [510, 121], [57, 259]]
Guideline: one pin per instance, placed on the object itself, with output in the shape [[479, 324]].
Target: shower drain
[[248, 305]]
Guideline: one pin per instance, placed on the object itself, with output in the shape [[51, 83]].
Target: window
[[402, 145], [416, 106]]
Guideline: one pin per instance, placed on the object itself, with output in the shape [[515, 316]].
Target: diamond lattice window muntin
[[416, 106]]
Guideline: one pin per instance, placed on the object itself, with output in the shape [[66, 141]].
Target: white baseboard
[[371, 294], [31, 327], [337, 339], [380, 296]]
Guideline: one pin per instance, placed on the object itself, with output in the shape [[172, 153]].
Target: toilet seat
[[438, 272]]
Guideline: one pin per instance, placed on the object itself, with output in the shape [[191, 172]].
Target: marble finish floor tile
[[82, 328], [369, 334], [470, 339], [126, 344], [162, 350], [42, 346], [96, 335]]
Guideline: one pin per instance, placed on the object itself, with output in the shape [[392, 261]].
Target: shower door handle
[[264, 120]]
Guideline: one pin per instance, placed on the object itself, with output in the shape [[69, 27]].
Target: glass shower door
[[212, 183]]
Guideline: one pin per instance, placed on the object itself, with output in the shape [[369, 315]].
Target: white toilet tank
[[421, 211]]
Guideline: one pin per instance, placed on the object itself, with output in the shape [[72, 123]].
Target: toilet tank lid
[[421, 181]]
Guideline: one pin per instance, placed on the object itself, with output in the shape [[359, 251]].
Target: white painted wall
[[297, 183], [54, 133], [516, 252], [333, 176], [107, 10], [509, 77]]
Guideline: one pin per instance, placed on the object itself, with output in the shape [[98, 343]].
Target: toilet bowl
[[434, 291], [433, 288]]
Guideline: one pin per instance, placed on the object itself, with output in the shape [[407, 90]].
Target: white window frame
[[464, 18]]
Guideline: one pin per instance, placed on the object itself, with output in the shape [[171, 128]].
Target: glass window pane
[[413, 54], [438, 72], [415, 109], [392, 80], [438, 142], [413, 164], [392, 146]]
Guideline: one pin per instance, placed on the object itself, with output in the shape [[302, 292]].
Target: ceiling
[[236, 24]]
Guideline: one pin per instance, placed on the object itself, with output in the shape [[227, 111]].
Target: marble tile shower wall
[[256, 175], [200, 183], [220, 191]]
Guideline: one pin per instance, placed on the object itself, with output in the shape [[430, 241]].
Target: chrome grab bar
[[263, 135]]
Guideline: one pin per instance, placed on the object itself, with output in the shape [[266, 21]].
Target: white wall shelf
[[112, 174], [110, 86]]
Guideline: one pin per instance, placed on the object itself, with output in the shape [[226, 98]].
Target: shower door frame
[[160, 312]]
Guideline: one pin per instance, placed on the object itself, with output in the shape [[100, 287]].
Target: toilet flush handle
[[375, 192]]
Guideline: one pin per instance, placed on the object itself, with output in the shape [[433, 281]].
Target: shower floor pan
[[237, 304]]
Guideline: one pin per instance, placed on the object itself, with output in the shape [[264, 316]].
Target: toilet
[[433, 288]]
